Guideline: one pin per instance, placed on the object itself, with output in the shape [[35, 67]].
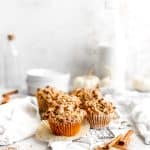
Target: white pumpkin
[[141, 83], [106, 81], [86, 81]]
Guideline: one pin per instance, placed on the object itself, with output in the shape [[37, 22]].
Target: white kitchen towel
[[137, 105], [141, 117], [19, 119]]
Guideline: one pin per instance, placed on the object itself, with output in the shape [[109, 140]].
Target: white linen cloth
[[137, 105], [18, 120], [141, 117]]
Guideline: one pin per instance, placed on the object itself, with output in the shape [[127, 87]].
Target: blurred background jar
[[12, 64], [138, 75], [102, 57]]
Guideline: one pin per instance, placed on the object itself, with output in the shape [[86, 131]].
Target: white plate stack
[[38, 78]]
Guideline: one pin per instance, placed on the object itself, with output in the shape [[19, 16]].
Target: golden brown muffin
[[66, 119], [99, 112]]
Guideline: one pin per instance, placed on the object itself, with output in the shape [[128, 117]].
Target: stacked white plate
[[38, 78]]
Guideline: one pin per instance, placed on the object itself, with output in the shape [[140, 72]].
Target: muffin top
[[86, 94], [66, 113], [68, 99], [60, 105], [63, 107], [56, 97], [48, 93], [99, 106]]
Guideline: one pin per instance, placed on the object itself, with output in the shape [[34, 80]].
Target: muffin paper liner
[[98, 121], [64, 129], [44, 132]]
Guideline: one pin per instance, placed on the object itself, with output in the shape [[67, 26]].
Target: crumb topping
[[86, 94], [62, 107], [64, 114], [99, 106]]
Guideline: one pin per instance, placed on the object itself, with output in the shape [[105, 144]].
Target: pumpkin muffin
[[66, 119], [45, 97], [99, 112]]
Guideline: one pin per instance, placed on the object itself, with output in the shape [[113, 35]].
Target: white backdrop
[[57, 34], [62, 34]]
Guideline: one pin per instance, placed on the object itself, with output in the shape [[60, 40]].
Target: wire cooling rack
[[96, 135], [102, 133]]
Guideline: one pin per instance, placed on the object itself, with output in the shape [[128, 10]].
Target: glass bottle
[[11, 63]]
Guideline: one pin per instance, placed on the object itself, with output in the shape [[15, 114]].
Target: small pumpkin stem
[[91, 71], [97, 86]]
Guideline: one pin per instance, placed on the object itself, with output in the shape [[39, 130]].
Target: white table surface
[[32, 144]]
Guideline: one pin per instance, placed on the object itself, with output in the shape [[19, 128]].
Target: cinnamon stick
[[119, 147], [99, 148], [5, 100], [119, 143], [113, 142], [126, 139], [6, 96], [10, 93]]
